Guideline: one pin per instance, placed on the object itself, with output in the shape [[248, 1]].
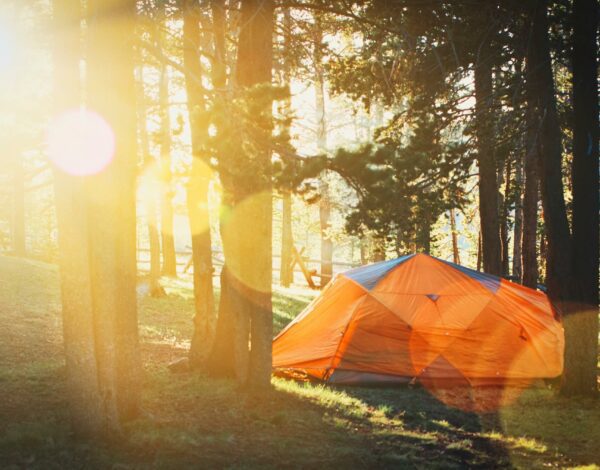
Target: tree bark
[[224, 354], [286, 274], [398, 242], [287, 241], [219, 69], [222, 360], [246, 225], [325, 226], [18, 219], [479, 254], [255, 56], [112, 219], [166, 203], [378, 253], [77, 311], [150, 200], [580, 376], [198, 185], [531, 194], [517, 266], [230, 354], [504, 232], [580, 350], [539, 73], [423, 233], [324, 202], [364, 250], [454, 234], [488, 190]]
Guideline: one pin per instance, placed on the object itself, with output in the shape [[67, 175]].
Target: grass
[[191, 420]]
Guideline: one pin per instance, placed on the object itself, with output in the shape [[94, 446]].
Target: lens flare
[[201, 196], [150, 187], [80, 142], [6, 49], [462, 388], [150, 184], [243, 228]]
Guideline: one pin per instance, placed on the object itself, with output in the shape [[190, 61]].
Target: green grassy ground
[[193, 421]]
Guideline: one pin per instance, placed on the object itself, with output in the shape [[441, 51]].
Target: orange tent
[[425, 318]]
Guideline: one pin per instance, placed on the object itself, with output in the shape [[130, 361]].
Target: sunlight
[[7, 49], [202, 180], [150, 182], [80, 142], [237, 220]]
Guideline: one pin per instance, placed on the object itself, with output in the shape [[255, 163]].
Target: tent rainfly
[[419, 317]]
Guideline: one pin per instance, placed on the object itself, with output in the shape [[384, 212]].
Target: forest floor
[[191, 421]]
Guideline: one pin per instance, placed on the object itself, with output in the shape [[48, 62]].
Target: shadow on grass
[[455, 437], [191, 421], [535, 429]]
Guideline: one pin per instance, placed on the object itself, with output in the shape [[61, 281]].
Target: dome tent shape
[[419, 317]]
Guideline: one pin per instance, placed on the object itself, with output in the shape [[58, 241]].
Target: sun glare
[[6, 49], [80, 142]]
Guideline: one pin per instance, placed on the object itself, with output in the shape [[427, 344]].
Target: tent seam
[[384, 275], [337, 349]]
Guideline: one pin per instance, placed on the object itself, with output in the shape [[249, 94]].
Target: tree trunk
[[504, 232], [378, 250], [230, 356], [559, 261], [539, 72], [197, 198], [219, 69], [454, 234], [326, 243], [364, 250], [580, 376], [287, 241], [246, 227], [255, 56], [324, 202], [18, 219], [488, 190], [156, 290], [479, 254], [399, 242], [423, 234], [286, 274], [543, 251], [150, 200], [517, 266], [224, 357], [166, 203], [531, 195], [221, 361], [112, 213], [77, 311]]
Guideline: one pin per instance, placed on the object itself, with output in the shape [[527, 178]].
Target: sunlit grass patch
[[172, 316], [288, 303], [442, 423], [463, 444], [325, 396], [32, 372], [561, 426], [521, 442]]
